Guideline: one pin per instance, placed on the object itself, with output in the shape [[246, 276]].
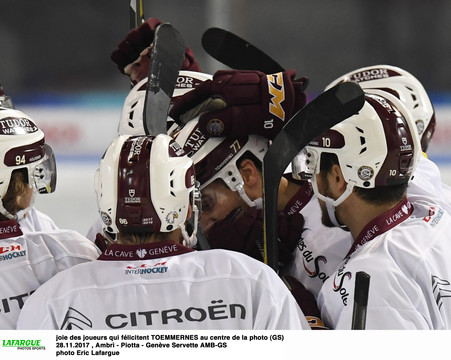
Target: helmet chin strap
[[191, 240], [246, 199], [331, 204], [23, 212], [5, 212]]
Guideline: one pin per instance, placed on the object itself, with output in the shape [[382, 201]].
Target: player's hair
[[16, 187], [139, 238], [378, 195]]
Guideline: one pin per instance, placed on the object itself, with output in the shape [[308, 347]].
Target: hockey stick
[[237, 53], [361, 290], [326, 110], [136, 11], [168, 52]]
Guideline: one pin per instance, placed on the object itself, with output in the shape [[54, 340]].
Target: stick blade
[[237, 53], [361, 292], [168, 52], [322, 113]]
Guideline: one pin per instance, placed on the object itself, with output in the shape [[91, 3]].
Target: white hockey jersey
[[406, 252], [427, 182], [36, 220], [322, 249], [319, 251], [164, 286], [27, 261]]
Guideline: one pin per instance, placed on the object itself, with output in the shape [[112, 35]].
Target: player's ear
[[252, 177], [338, 179], [249, 173]]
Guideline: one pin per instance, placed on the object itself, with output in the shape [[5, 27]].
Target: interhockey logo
[[276, 90], [434, 214], [158, 268]]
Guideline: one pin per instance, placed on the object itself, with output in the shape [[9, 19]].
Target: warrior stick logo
[[276, 90]]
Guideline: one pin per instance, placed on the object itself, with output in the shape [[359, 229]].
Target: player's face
[[218, 201], [25, 197]]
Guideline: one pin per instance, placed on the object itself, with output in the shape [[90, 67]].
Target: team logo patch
[[170, 218], [105, 218], [420, 126], [141, 252], [215, 127], [365, 173]]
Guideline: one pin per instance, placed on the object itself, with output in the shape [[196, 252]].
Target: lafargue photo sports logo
[[23, 344]]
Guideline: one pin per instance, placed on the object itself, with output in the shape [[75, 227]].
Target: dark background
[[54, 47]]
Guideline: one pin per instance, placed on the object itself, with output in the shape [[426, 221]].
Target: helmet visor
[[43, 175]]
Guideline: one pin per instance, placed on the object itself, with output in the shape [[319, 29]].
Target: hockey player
[[361, 169], [231, 179], [132, 55], [131, 122], [32, 219], [27, 260], [410, 91], [229, 169], [145, 193]]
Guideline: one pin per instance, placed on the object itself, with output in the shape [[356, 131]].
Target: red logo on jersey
[[5, 249], [431, 214]]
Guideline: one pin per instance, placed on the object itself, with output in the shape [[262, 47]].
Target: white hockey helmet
[[144, 184], [405, 87], [217, 157], [376, 147], [131, 121], [23, 147]]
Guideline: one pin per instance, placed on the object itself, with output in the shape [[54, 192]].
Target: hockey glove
[[101, 242], [252, 103], [138, 40], [244, 233], [306, 302], [290, 231]]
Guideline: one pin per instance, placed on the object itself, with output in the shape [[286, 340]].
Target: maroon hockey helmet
[[144, 184]]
